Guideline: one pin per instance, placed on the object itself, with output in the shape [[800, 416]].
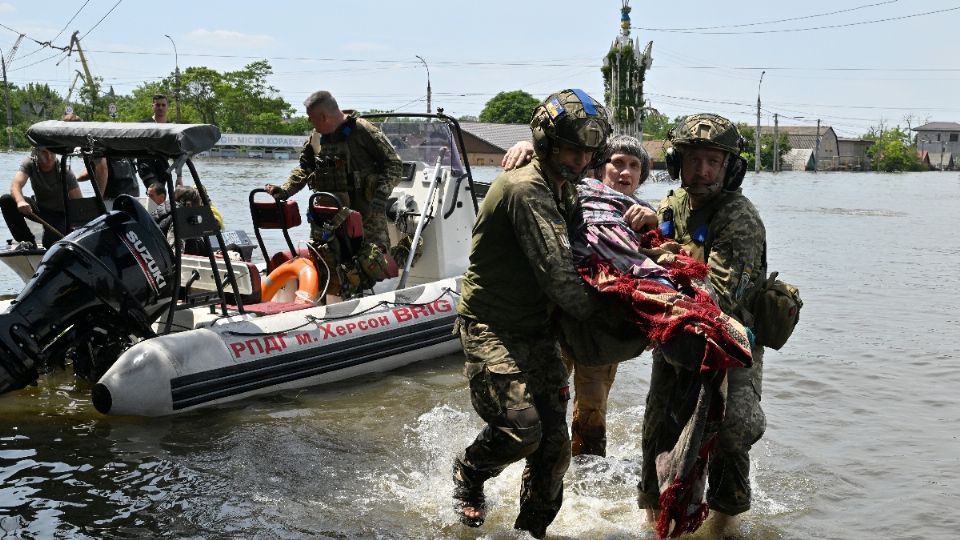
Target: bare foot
[[471, 516]]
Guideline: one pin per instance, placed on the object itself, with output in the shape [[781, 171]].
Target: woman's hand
[[639, 217]]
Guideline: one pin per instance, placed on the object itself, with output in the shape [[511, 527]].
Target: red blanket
[[678, 307]]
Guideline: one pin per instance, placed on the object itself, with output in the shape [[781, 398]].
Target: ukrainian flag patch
[[554, 108]]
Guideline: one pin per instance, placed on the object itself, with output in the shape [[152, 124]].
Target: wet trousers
[[518, 386], [673, 392], [591, 388]]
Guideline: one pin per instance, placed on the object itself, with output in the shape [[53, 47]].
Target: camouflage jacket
[[362, 157], [729, 236], [521, 265]]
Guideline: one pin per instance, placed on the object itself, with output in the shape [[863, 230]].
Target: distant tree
[[893, 150], [199, 87], [514, 107], [656, 125], [766, 146], [468, 118], [30, 104]]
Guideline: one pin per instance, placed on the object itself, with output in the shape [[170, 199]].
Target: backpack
[[776, 311]]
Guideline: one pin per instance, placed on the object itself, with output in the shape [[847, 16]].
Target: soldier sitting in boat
[[350, 158], [47, 203]]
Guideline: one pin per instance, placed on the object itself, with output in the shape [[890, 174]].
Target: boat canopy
[[124, 139]]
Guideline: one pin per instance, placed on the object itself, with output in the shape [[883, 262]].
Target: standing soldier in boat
[[521, 269], [350, 158]]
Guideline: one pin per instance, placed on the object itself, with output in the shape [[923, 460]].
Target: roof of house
[[502, 136], [865, 142], [938, 126], [656, 148], [797, 130], [798, 159]]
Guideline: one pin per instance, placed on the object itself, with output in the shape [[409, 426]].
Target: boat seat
[[246, 273]]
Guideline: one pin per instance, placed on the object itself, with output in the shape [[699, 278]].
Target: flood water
[[863, 408]]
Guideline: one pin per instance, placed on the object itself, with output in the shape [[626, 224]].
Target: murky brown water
[[862, 406]]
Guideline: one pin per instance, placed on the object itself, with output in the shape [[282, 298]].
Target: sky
[[852, 64]]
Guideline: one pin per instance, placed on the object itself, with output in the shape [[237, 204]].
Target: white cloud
[[7, 8], [228, 39]]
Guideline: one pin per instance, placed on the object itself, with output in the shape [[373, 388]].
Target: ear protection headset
[[733, 177]]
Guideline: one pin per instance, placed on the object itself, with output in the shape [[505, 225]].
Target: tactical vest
[[332, 171]]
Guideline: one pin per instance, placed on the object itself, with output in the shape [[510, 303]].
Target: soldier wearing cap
[[521, 269], [712, 219]]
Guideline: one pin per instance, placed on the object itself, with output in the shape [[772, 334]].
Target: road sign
[[113, 109], [68, 109]]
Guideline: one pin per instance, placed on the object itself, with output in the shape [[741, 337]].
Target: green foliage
[[892, 150], [656, 126], [514, 107], [766, 147], [30, 104]]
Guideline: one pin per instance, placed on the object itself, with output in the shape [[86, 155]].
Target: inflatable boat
[[160, 330]]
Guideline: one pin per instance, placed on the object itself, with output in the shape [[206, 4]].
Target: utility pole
[[176, 76], [756, 159], [776, 143], [816, 148], [6, 94], [429, 106], [6, 87]]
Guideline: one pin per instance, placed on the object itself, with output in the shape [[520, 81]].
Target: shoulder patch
[[560, 231]]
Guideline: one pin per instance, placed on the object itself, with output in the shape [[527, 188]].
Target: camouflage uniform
[[357, 164], [521, 267], [736, 242]]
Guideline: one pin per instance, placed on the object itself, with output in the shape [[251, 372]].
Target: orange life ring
[[301, 269]]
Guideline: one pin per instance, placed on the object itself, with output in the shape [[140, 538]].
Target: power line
[[771, 22], [70, 21], [789, 30], [101, 19], [531, 63]]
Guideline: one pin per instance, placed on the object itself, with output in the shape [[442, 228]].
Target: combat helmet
[[708, 131], [573, 118]]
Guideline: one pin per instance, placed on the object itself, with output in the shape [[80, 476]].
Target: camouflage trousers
[[518, 386], [591, 388], [345, 278], [673, 392], [374, 223]]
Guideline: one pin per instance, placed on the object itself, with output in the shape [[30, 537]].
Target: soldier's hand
[[24, 208], [639, 217], [517, 156], [273, 190]]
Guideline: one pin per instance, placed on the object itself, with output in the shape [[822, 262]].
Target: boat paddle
[[37, 219], [427, 210]]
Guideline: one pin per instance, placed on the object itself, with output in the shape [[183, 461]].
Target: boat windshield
[[417, 139]]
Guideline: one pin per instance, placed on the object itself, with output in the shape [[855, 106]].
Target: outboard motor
[[94, 292]]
